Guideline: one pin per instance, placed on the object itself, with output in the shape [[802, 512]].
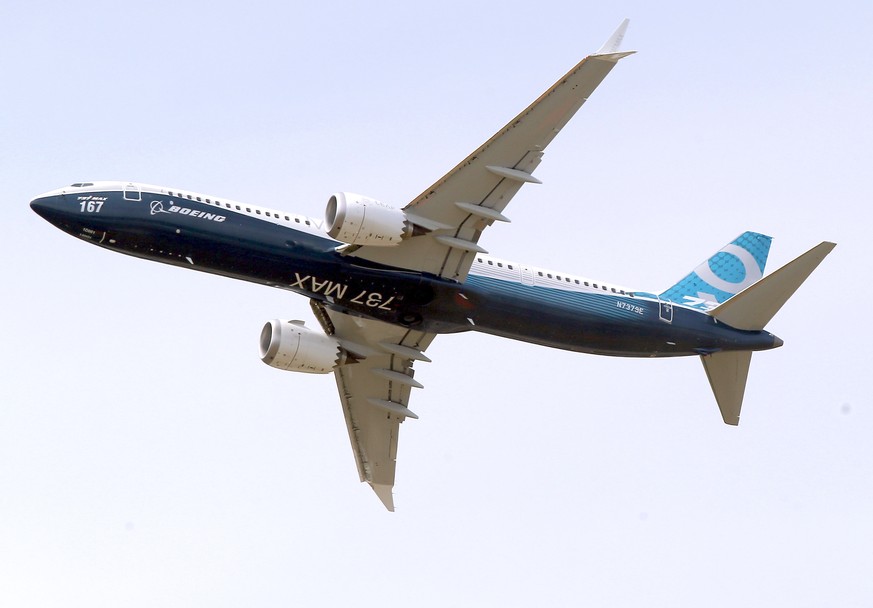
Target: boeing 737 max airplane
[[383, 282]]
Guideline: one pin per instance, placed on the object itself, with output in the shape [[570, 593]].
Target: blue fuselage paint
[[254, 247]]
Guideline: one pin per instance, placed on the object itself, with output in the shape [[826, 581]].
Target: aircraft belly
[[281, 256], [607, 324]]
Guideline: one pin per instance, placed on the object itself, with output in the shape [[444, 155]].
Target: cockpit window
[[81, 184]]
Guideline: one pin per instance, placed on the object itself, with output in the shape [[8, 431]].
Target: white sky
[[147, 456]]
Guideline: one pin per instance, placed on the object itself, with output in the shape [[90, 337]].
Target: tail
[[751, 310], [731, 269]]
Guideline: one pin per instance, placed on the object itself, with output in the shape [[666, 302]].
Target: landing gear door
[[665, 310]]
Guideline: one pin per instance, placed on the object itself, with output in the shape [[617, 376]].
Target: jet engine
[[359, 220], [291, 346]]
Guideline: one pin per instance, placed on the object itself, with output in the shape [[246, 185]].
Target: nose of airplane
[[53, 207], [37, 204], [41, 206]]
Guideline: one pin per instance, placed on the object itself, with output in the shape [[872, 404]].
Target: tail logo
[[752, 272], [733, 268]]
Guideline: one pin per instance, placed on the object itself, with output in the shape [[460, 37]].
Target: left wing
[[376, 380], [456, 209], [374, 387]]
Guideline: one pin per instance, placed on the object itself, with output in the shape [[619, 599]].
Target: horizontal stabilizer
[[753, 308], [727, 373]]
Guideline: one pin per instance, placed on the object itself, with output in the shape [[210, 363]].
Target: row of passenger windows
[[500, 264], [565, 279], [238, 208]]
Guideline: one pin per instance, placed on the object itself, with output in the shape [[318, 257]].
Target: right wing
[[374, 387], [375, 383], [459, 206]]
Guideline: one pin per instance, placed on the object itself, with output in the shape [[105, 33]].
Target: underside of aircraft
[[384, 282]]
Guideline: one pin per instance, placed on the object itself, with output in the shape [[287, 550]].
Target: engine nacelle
[[290, 346], [359, 220]]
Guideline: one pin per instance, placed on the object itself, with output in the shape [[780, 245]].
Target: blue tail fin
[[733, 268]]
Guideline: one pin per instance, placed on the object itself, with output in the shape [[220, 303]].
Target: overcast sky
[[147, 456]]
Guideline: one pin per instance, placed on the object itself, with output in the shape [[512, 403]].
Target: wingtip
[[614, 42], [385, 494]]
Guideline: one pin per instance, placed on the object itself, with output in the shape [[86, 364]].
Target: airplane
[[383, 282]]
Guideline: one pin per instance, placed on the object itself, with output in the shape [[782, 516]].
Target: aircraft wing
[[374, 387], [456, 209]]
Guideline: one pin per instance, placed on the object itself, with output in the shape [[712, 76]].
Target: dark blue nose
[[55, 209], [42, 206]]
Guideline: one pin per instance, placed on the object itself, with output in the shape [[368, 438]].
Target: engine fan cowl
[[360, 220], [291, 346]]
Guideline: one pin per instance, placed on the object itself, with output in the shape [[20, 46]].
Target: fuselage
[[292, 252]]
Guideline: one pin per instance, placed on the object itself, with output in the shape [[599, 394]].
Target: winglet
[[612, 45], [385, 494]]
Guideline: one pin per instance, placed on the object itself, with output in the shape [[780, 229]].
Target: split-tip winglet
[[385, 494], [613, 44]]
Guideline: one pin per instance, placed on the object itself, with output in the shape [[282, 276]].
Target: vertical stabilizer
[[727, 272], [727, 373]]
